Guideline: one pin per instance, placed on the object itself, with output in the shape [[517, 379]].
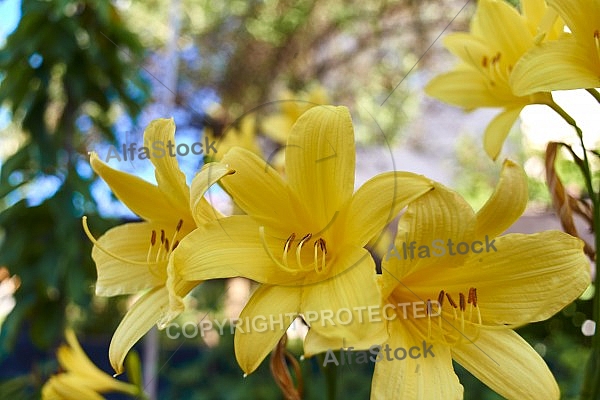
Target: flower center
[[449, 322], [319, 253], [455, 322], [157, 254]]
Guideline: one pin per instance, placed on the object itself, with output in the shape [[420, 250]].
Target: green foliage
[[64, 60]]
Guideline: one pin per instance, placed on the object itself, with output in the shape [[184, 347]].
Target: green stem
[[330, 374], [594, 94], [591, 383], [585, 167]]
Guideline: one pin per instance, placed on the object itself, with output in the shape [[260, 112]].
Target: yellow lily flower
[[278, 127], [81, 379], [303, 238], [134, 257], [473, 294], [572, 62], [499, 37]]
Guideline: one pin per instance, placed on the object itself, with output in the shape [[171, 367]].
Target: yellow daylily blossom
[[278, 127], [134, 257], [473, 294], [572, 62], [499, 36], [81, 379], [303, 238], [244, 136]]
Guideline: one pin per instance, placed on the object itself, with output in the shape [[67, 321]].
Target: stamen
[[299, 249], [462, 302], [152, 242], [177, 229], [441, 298], [286, 247], [484, 62], [167, 245], [175, 245], [320, 244], [474, 296], [261, 233], [86, 229], [453, 304]]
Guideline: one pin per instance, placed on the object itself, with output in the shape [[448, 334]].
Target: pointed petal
[[144, 313], [561, 64], [67, 387], [506, 204], [497, 131], [356, 269], [508, 365], [263, 321], [260, 191], [131, 242], [581, 17], [464, 87], [378, 201], [503, 28], [519, 278], [420, 378], [227, 248], [171, 181], [432, 220], [469, 48], [141, 197], [210, 174], [320, 162]]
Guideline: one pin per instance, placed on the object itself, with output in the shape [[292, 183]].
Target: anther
[[473, 295], [179, 225], [175, 245], [452, 303], [167, 245], [484, 62], [162, 236], [462, 301], [441, 298], [153, 238]]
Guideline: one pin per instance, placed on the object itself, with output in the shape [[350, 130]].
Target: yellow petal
[[581, 16], [503, 28], [469, 48], [414, 378], [67, 387], [141, 197], [263, 322], [356, 269], [320, 162], [431, 220], [131, 242], [508, 365], [557, 65], [210, 174], [230, 247], [378, 201], [506, 204], [527, 278], [170, 179], [144, 313], [260, 191], [464, 87], [533, 11], [498, 129]]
